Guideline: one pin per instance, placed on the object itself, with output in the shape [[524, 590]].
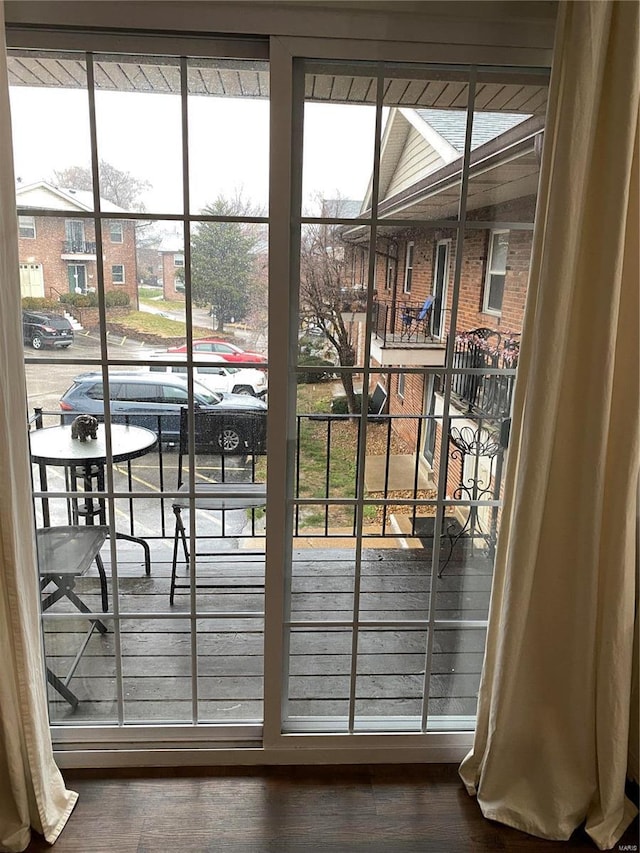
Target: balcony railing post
[[78, 247]]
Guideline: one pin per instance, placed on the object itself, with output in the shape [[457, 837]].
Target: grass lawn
[[318, 439], [145, 295], [144, 322]]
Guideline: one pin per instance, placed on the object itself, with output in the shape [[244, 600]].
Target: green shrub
[[112, 299], [80, 300], [33, 303], [117, 299], [339, 405], [324, 373]]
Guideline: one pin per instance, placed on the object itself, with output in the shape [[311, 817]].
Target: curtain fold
[[32, 791], [550, 750]]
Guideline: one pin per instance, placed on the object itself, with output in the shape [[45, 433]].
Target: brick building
[[58, 254], [172, 253], [420, 169]]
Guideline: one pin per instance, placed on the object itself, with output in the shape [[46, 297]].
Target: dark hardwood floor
[[368, 809]]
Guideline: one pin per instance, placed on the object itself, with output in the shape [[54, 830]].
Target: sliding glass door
[[247, 222], [159, 198], [403, 395]]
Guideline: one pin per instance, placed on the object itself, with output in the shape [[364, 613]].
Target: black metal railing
[[327, 475], [478, 349], [408, 322], [78, 247]]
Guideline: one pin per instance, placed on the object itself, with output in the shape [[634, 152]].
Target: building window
[[391, 273], [408, 269], [363, 267], [401, 382], [116, 232], [27, 226], [117, 273], [496, 272], [178, 260]]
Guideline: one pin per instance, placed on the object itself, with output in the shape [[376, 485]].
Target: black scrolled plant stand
[[478, 442]]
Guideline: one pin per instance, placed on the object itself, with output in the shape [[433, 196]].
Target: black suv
[[228, 423], [46, 330]]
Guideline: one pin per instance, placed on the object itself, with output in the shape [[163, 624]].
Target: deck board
[[156, 650]]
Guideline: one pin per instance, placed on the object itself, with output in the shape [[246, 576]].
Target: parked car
[[229, 352], [216, 374], [42, 329], [228, 423]]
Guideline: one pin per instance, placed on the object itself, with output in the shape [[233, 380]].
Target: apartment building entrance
[[77, 275]]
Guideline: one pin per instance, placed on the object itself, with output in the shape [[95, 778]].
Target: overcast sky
[[228, 143]]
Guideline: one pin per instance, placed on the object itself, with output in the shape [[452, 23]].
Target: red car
[[227, 351]]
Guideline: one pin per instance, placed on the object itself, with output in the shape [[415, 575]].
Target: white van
[[215, 373]]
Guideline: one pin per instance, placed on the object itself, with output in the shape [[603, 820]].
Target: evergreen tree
[[223, 263]]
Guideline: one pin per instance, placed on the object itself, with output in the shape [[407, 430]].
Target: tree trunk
[[347, 384]]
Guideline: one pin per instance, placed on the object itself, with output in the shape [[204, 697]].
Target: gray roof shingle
[[341, 208], [451, 125]]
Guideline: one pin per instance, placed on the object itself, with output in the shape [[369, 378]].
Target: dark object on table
[[84, 427]]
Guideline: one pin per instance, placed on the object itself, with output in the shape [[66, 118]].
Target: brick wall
[[121, 253], [470, 305], [473, 271], [411, 403], [169, 270], [48, 247], [89, 318]]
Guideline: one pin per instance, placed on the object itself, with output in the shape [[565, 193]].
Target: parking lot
[[47, 381]]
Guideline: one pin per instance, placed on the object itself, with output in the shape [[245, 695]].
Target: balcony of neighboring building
[[409, 332], [78, 250]]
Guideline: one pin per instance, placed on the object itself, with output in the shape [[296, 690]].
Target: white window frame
[[114, 280], [402, 379], [490, 271], [450, 744], [445, 284], [409, 259], [178, 260], [119, 225], [23, 225]]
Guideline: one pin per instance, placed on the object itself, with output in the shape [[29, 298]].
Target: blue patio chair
[[414, 320], [426, 307]]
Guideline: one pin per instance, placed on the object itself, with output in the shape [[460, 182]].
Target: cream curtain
[[32, 792], [550, 750]]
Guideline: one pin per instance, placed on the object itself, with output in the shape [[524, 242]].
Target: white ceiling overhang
[[228, 78]]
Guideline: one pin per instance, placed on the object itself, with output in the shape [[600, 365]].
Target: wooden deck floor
[[157, 653]]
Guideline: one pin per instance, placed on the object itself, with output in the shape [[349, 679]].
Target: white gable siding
[[43, 198], [417, 160]]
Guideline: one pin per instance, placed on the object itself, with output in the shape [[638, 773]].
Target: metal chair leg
[[179, 533], [103, 583], [62, 689], [145, 547]]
